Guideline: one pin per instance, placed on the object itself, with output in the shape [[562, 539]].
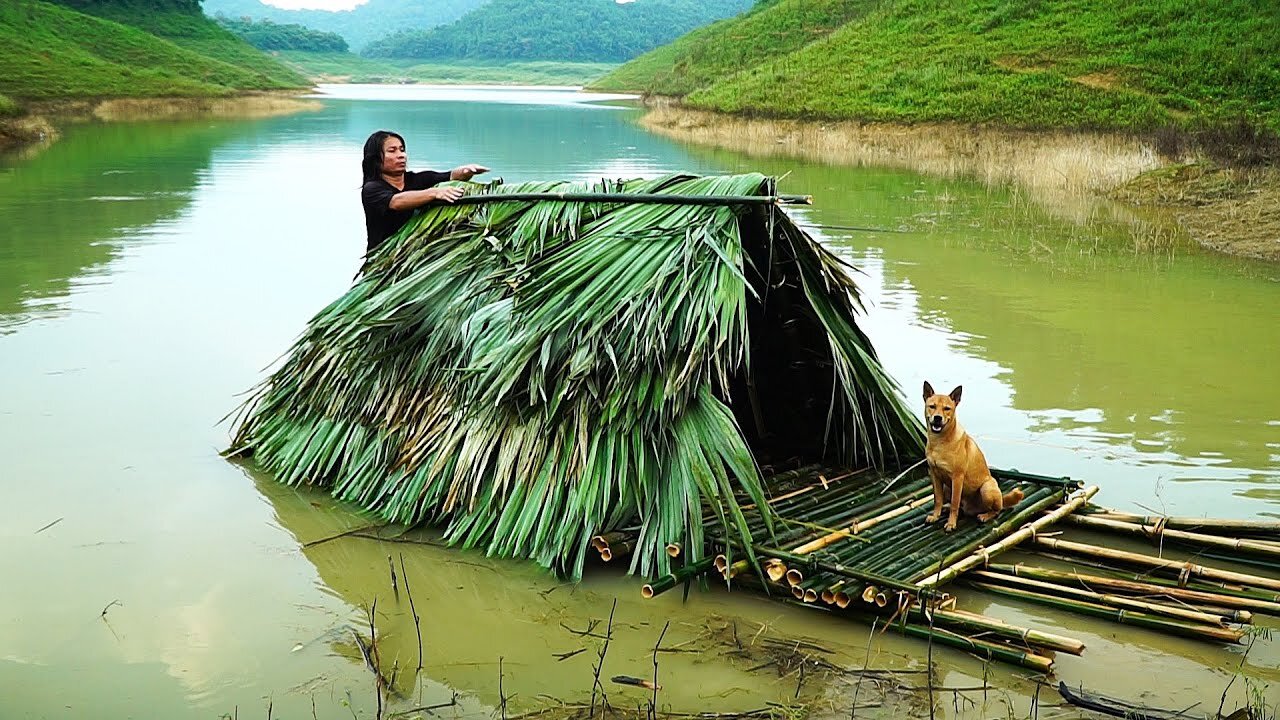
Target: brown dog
[[957, 466]]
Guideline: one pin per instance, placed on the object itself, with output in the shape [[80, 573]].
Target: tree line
[[267, 35], [580, 30]]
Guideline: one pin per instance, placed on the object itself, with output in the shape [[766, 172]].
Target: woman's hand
[[448, 193], [466, 172]]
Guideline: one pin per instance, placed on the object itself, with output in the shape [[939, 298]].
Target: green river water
[[151, 271]]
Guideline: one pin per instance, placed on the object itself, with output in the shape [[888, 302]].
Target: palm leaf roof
[[529, 373]]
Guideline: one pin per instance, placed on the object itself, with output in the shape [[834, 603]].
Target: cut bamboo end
[[797, 592], [843, 600], [810, 595], [869, 594], [673, 550], [794, 577], [882, 599], [647, 592], [775, 570], [721, 563], [606, 554], [828, 597]]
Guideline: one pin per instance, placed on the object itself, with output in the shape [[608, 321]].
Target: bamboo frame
[[1156, 532], [982, 556], [1116, 601], [1188, 568], [634, 198], [1200, 597], [1203, 632], [1261, 527]]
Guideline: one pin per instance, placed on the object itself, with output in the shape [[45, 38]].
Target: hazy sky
[[316, 4]]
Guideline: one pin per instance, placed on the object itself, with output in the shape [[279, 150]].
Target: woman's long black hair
[[372, 163]]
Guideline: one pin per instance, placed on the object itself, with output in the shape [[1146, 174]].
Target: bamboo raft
[[842, 541]]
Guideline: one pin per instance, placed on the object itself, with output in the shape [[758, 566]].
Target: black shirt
[[380, 221]]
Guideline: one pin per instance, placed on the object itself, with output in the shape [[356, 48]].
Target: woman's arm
[[410, 199]]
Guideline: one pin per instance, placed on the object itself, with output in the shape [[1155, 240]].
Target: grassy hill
[[1144, 64], [574, 30], [52, 52]]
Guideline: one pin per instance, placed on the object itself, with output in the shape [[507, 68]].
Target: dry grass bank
[[38, 125], [1232, 211], [1096, 162]]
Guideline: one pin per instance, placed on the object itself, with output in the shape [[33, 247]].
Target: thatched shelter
[[529, 372]]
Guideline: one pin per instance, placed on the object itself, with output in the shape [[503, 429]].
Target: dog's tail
[[1011, 498]]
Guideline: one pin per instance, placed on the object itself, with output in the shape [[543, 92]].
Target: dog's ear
[[928, 390], [955, 394]]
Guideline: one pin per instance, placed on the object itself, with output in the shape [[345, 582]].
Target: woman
[[391, 194]]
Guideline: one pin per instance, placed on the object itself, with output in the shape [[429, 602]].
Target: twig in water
[[427, 708], [501, 694], [561, 657], [417, 626], [108, 607], [633, 681], [591, 625], [392, 565], [270, 705], [46, 527], [1240, 668], [653, 704], [604, 649], [322, 541], [853, 711]]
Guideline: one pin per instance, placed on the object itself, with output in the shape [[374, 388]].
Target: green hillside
[[1144, 64], [577, 30], [53, 52]]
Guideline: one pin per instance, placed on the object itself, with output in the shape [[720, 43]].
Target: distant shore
[[1234, 210], [40, 121]]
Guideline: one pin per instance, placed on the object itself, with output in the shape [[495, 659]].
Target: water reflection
[[150, 272]]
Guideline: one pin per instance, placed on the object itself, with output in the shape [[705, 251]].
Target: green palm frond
[[531, 373]]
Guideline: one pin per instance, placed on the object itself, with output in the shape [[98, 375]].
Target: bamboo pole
[[1011, 540], [981, 648], [1189, 569], [617, 550], [1020, 477], [1155, 532], [835, 568], [928, 546], [855, 527], [1181, 613], [1145, 589], [1203, 632], [635, 198], [1260, 527], [1216, 587], [670, 580], [974, 621], [919, 566]]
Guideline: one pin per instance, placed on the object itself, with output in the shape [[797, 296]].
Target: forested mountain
[[266, 35], [373, 20], [582, 30]]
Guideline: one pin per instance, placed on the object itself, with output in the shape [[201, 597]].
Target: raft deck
[[840, 539]]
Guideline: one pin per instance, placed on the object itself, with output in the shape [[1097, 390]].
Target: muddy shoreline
[[1230, 210], [39, 124]]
